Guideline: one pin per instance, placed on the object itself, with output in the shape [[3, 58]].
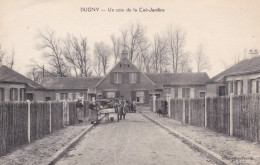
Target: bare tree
[[202, 61], [134, 40], [53, 52], [97, 67], [116, 49], [185, 64], [159, 52], [76, 54], [176, 42], [35, 74], [103, 52], [10, 59], [2, 53]]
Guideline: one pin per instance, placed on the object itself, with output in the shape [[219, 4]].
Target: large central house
[[126, 80]]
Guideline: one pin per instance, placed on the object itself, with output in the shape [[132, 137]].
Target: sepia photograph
[[141, 82]]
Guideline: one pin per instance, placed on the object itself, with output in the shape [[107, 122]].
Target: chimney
[[124, 54], [1, 62]]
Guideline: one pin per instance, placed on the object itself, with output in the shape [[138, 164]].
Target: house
[[125, 79], [242, 78], [180, 85], [70, 88], [16, 87]]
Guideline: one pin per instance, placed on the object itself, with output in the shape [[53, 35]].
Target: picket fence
[[24, 122], [235, 115]]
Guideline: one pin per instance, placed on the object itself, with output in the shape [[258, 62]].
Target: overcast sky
[[225, 27]]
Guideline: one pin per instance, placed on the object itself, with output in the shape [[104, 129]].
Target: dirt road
[[132, 141]]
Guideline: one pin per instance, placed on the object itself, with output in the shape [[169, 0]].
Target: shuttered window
[[63, 96], [22, 94], [133, 78], [2, 94], [117, 78], [13, 94], [185, 92]]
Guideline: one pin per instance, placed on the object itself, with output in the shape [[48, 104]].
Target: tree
[[10, 59], [53, 52], [176, 42], [134, 40], [2, 53], [159, 52], [201, 59], [103, 52], [76, 54], [116, 49]]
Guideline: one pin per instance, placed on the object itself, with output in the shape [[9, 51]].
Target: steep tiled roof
[[10, 76], [161, 79], [70, 82], [243, 67]]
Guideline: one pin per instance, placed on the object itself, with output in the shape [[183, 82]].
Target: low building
[[70, 88], [180, 85], [240, 79], [16, 87], [128, 81]]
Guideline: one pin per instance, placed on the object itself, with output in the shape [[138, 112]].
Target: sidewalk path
[[235, 150], [38, 151]]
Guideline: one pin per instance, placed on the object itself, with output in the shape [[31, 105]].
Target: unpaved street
[[132, 141]]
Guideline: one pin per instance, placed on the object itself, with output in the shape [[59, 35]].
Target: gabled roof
[[246, 66], [60, 83], [8, 75], [161, 79], [125, 60]]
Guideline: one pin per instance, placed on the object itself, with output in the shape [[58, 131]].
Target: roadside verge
[[68, 146]]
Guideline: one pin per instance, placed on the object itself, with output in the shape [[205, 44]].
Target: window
[[47, 98], [250, 86], [117, 78], [231, 87], [13, 94], [202, 94], [111, 94], [73, 96], [63, 96], [22, 94], [176, 93], [222, 91], [2, 94], [241, 87], [140, 96], [185, 92], [257, 86], [133, 78], [29, 96]]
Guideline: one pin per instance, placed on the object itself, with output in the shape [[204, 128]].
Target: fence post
[[231, 114], [169, 106], [205, 113], [29, 121], [183, 110], [50, 114], [154, 102], [189, 112]]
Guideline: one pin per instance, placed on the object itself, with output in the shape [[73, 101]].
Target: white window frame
[[133, 78], [117, 78]]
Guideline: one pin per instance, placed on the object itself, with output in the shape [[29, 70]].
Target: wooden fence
[[236, 115], [18, 128]]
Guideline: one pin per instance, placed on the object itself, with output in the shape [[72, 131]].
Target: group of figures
[[163, 111], [120, 105], [123, 106]]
